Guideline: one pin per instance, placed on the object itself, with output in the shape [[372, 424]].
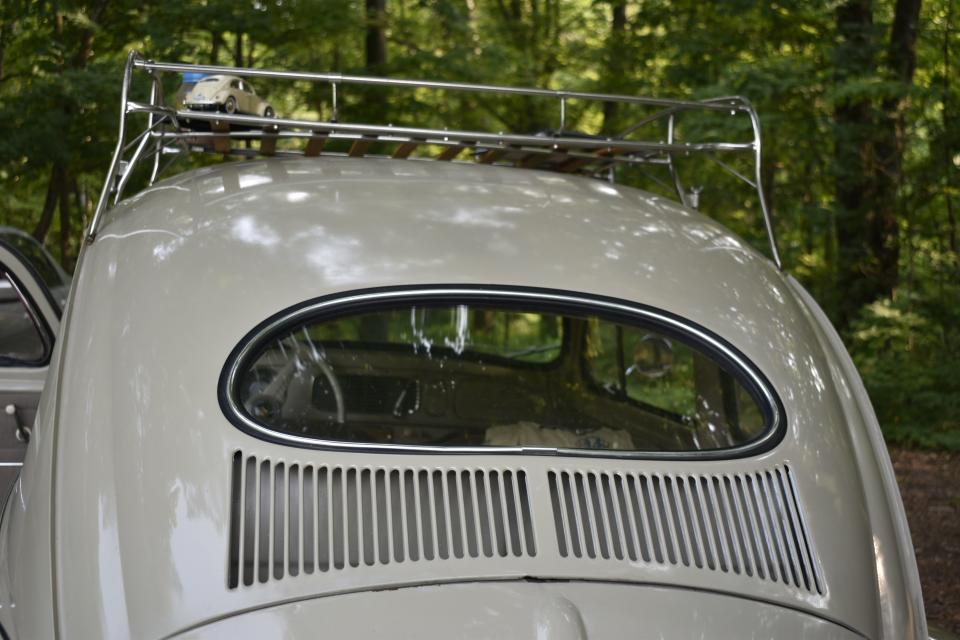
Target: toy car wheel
[[230, 105], [268, 112]]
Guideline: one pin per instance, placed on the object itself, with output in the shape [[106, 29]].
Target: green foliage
[[60, 64], [910, 362]]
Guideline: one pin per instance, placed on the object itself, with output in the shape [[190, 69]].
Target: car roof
[[292, 229]]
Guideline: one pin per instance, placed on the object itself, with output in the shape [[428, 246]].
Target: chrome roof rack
[[173, 132]]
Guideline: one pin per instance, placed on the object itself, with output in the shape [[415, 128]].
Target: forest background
[[858, 101]]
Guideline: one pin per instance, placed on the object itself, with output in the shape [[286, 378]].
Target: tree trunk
[[238, 50], [3, 47], [947, 118], [79, 201], [615, 65], [902, 53], [86, 36], [869, 155], [49, 206], [376, 41], [855, 59], [63, 190], [58, 189], [216, 41], [891, 138]]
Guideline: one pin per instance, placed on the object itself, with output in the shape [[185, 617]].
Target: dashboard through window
[[477, 372]]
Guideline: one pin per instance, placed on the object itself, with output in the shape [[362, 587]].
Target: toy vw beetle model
[[382, 396], [227, 93]]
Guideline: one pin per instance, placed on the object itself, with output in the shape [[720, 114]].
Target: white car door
[[247, 100], [29, 321]]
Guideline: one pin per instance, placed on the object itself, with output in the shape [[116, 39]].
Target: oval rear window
[[464, 370]]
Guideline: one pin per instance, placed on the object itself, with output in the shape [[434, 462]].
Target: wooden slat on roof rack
[[268, 143], [359, 147], [450, 153], [315, 144], [220, 144]]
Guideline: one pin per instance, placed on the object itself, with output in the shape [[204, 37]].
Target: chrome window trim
[[294, 315], [44, 333], [35, 273]]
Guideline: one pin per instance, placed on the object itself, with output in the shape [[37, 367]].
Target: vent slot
[[747, 524], [288, 519]]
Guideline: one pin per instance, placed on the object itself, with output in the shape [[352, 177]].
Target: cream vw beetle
[[226, 93], [341, 390]]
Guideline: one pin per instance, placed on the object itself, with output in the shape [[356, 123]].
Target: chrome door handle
[[22, 431]]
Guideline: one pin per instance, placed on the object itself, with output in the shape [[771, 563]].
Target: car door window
[[21, 338], [35, 256], [32, 254]]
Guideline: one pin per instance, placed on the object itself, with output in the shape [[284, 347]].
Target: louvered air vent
[[288, 518], [748, 523]]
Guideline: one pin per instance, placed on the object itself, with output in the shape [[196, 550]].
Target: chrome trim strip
[[339, 78], [254, 341]]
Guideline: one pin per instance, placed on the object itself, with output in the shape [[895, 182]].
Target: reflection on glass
[[483, 375], [20, 340]]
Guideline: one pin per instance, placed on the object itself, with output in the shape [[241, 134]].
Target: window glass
[[466, 331], [487, 375], [669, 377], [20, 338]]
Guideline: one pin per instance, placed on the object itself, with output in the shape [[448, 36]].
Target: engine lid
[[509, 610]]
